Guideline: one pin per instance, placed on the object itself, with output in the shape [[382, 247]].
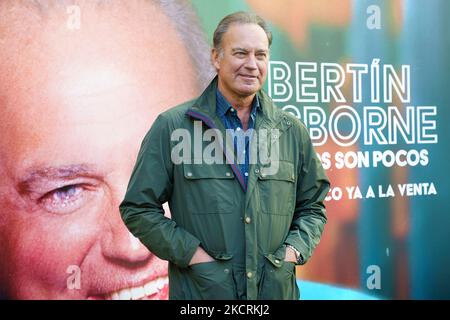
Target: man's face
[[76, 105], [242, 64]]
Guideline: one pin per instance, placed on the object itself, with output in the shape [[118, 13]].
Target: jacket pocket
[[207, 188], [212, 281], [278, 280], [277, 190]]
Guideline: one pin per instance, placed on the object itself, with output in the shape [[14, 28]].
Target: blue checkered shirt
[[230, 120]]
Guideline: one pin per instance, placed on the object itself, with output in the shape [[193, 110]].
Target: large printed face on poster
[[82, 82], [76, 101]]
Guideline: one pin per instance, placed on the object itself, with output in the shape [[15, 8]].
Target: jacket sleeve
[[312, 187], [149, 187]]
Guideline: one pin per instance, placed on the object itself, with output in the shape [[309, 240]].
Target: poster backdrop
[[81, 86]]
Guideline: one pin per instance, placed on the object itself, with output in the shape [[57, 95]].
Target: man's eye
[[240, 54], [64, 200]]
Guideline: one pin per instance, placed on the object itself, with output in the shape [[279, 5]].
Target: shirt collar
[[222, 105]]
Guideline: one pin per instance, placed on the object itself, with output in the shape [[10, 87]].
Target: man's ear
[[215, 58]]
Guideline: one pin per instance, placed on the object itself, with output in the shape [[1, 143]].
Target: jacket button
[[248, 220], [256, 170], [277, 261], [288, 123], [226, 270], [189, 174], [249, 275], [228, 174]]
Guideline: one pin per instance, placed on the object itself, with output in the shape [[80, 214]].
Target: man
[[238, 228], [75, 102]]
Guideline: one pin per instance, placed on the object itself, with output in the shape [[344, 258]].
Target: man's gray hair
[[185, 20], [180, 14], [240, 17]]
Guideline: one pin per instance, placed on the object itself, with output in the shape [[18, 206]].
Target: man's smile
[[155, 289]]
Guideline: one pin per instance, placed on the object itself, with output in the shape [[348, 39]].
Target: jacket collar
[[205, 105]]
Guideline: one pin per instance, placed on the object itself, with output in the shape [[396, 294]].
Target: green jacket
[[245, 231]]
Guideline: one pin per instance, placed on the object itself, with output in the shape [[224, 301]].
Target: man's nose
[[251, 62], [119, 244]]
